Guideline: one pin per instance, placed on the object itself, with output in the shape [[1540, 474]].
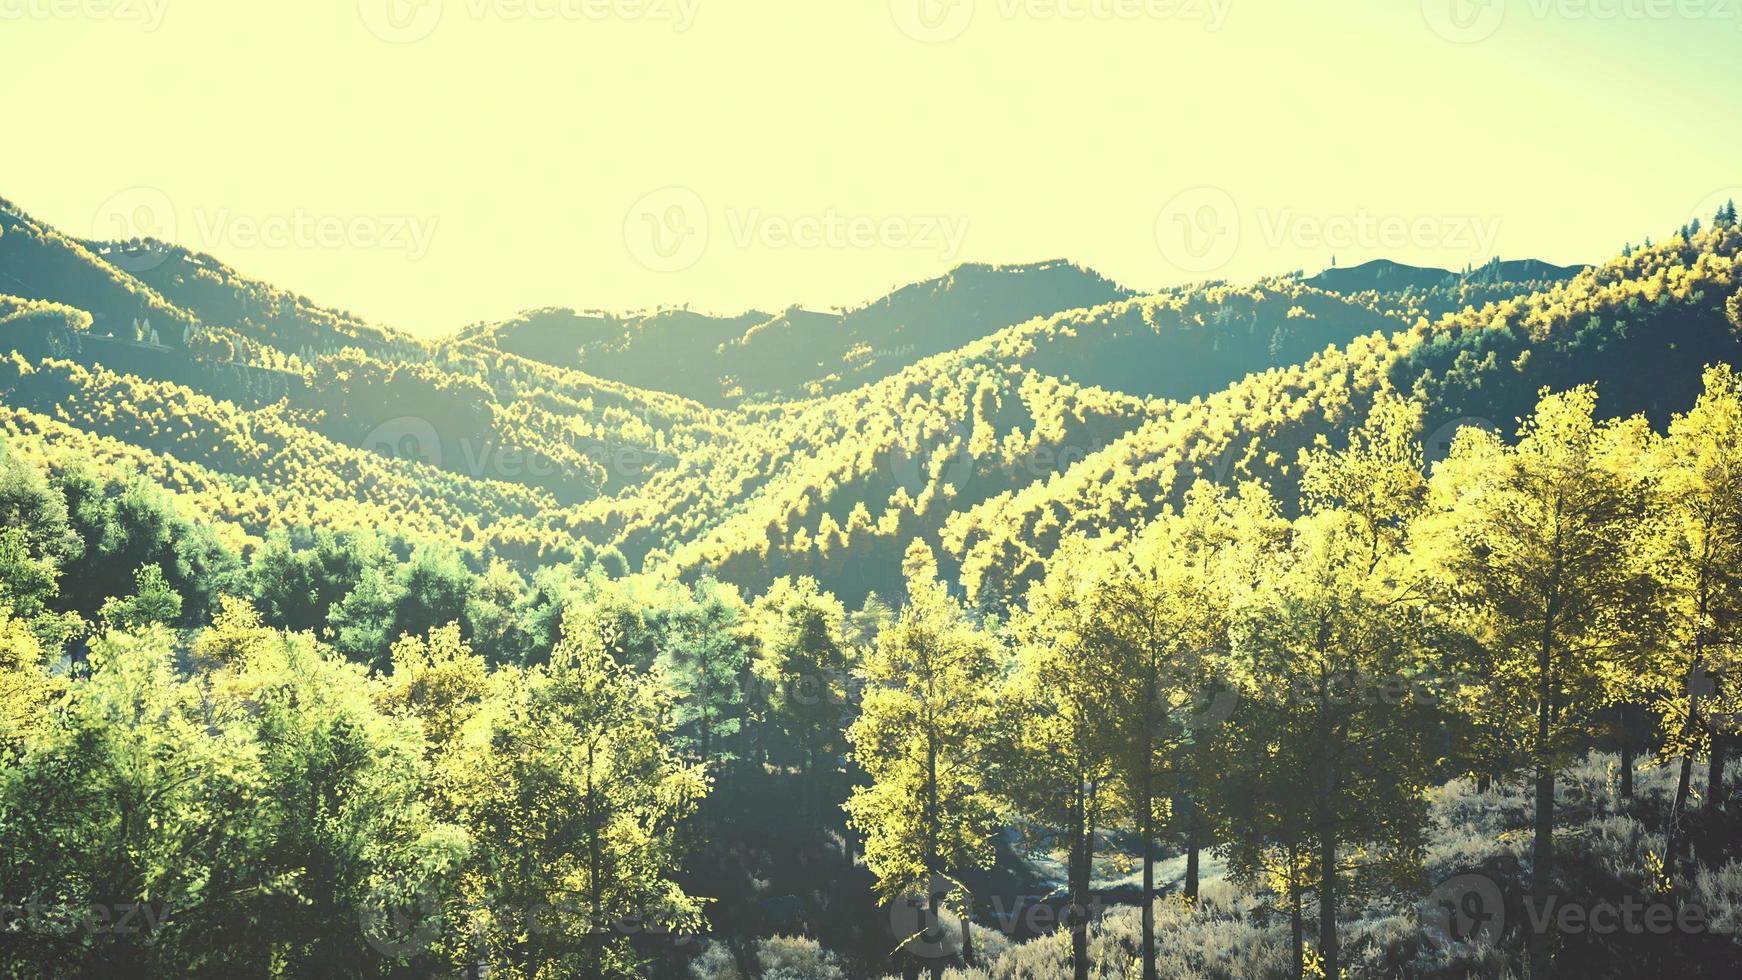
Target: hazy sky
[[434, 162]]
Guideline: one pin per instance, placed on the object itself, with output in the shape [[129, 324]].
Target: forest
[[1372, 625]]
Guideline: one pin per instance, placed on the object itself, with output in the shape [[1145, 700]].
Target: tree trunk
[[1542, 845], [1626, 725], [1297, 926], [1145, 840], [967, 933], [934, 927], [1715, 774], [1191, 883], [1672, 842], [1328, 904], [1672, 837], [934, 930], [1079, 881]]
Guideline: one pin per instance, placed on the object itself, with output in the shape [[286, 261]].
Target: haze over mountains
[[991, 411]]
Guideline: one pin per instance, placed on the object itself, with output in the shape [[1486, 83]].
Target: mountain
[[1386, 276], [998, 409], [797, 353]]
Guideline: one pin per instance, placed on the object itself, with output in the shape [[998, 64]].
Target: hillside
[[395, 584], [1641, 327], [989, 411], [797, 353]]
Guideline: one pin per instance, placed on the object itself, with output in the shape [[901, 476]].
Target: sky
[[434, 163]]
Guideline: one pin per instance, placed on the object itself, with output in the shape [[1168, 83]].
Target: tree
[[805, 665], [1699, 465], [1533, 548], [494, 612], [26, 686], [123, 801], [296, 588], [1055, 771], [576, 803], [1156, 624], [706, 655], [127, 525], [152, 602], [921, 735], [1340, 645]]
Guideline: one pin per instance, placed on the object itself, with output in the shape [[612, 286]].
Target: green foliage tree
[[1699, 466], [153, 602], [805, 665], [922, 735], [576, 803], [1535, 550]]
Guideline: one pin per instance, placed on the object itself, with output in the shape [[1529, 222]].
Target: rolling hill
[[993, 411]]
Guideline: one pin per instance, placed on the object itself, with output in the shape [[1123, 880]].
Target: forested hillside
[[798, 353], [1014, 623]]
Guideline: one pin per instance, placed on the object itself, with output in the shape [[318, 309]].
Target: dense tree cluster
[[442, 659]]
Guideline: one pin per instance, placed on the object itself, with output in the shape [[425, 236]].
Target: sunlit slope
[[836, 487], [1641, 327]]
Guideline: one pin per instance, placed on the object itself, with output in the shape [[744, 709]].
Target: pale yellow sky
[[433, 162]]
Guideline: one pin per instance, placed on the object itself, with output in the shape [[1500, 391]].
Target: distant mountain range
[[992, 411], [1384, 275]]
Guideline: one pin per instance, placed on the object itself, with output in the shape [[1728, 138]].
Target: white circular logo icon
[[409, 438], [1706, 212], [400, 21], [1437, 446], [911, 922], [401, 918], [667, 230], [1199, 229], [1463, 21], [943, 456], [932, 21], [138, 212], [1466, 908]]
